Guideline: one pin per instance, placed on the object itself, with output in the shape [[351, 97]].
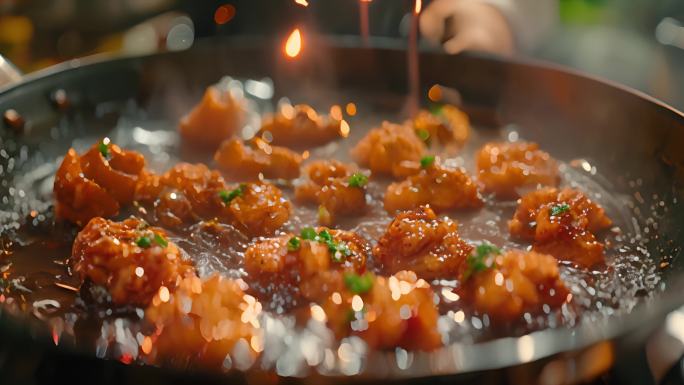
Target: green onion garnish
[[358, 284], [308, 233], [481, 260], [228, 196], [143, 242], [104, 149], [423, 134], [427, 161], [559, 209], [357, 180], [160, 240], [293, 244]]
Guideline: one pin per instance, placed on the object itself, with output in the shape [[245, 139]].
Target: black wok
[[626, 135]]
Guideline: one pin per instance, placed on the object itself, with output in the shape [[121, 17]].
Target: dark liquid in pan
[[37, 278]]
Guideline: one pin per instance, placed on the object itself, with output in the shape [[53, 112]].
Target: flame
[[303, 3], [366, 1], [294, 43], [419, 5]]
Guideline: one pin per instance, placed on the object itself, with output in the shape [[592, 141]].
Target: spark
[[294, 44]]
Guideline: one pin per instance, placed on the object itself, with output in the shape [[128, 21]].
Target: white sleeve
[[531, 20]]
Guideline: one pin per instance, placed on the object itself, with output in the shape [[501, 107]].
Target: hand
[[467, 25]]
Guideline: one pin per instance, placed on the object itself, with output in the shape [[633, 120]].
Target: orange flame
[[294, 43], [419, 5], [303, 3]]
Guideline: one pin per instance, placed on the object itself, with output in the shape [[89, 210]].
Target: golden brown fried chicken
[[448, 126], [336, 187], [505, 286], [96, 183], [259, 208], [203, 320], [419, 241], [187, 193], [131, 260], [300, 126], [218, 116], [387, 312], [443, 188], [184, 194], [247, 162], [506, 169], [562, 223], [298, 257], [384, 148]]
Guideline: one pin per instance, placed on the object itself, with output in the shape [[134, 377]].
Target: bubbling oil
[[36, 278]]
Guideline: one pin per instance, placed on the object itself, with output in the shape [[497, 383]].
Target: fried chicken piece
[[336, 187], [247, 162], [184, 194], [259, 208], [443, 188], [512, 284], [384, 148], [96, 183], [300, 126], [188, 193], [387, 312], [296, 258], [419, 241], [506, 169], [218, 116], [202, 321], [131, 260], [562, 223], [449, 126]]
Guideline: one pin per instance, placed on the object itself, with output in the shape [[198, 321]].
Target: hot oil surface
[[38, 281]]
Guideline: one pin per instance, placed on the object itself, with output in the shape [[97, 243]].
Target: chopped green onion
[[559, 209], [436, 109], [325, 236], [357, 180], [481, 260], [423, 134], [104, 149], [143, 242], [160, 240], [228, 196], [358, 284], [293, 244], [427, 161], [308, 233]]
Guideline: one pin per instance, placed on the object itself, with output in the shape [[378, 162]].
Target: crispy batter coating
[[518, 282], [419, 241], [188, 193], [260, 209], [201, 322], [218, 116], [396, 311], [449, 126], [328, 186], [300, 126], [270, 258], [384, 148], [443, 188], [562, 223], [93, 184], [507, 168], [247, 162], [112, 255], [184, 194]]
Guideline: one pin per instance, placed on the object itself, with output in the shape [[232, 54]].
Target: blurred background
[[635, 42]]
